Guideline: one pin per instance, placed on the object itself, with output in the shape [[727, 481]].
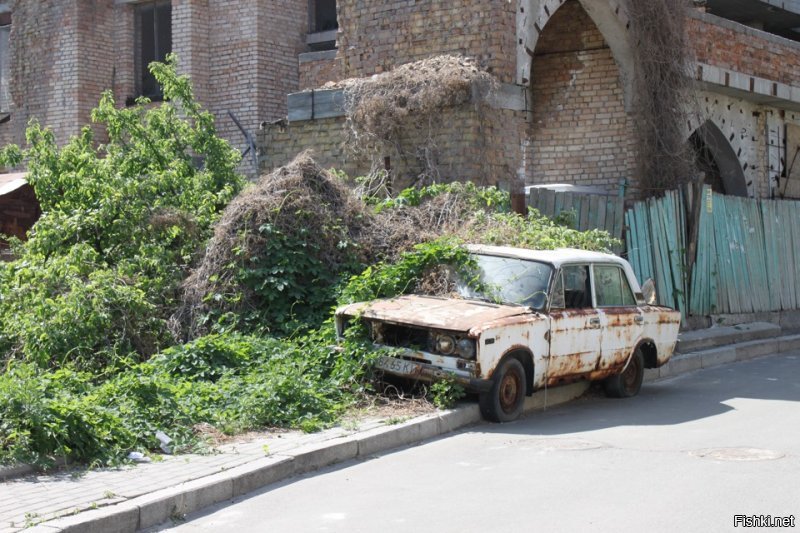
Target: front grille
[[400, 336]]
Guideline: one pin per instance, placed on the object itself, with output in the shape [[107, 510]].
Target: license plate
[[398, 366]]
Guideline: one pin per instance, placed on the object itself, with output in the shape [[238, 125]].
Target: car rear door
[[622, 321]]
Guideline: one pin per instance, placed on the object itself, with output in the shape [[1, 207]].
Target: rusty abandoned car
[[540, 319]]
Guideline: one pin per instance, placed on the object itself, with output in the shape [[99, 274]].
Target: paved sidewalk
[[35, 499], [145, 495]]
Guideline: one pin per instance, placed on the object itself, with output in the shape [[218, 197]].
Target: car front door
[[575, 332]]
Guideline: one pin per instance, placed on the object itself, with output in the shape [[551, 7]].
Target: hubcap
[[629, 376], [509, 391]]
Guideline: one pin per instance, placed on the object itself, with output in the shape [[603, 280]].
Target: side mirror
[[649, 291]]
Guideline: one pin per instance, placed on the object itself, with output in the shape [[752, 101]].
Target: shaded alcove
[[717, 161]]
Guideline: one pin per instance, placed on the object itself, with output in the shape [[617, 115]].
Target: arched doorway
[[716, 160], [580, 128]]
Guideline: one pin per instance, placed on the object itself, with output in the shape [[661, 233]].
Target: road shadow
[[677, 400]]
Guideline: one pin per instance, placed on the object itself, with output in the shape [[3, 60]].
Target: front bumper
[[426, 372]]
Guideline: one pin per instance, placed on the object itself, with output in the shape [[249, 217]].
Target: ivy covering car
[[533, 319]]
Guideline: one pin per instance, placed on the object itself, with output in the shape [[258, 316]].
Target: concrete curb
[[175, 502], [743, 351]]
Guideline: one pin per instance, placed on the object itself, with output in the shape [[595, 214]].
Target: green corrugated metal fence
[[656, 244], [592, 211], [747, 253]]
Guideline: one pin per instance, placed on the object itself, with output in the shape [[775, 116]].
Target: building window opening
[[153, 43], [322, 25]]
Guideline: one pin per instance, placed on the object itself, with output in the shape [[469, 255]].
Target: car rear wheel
[[629, 381], [505, 400]]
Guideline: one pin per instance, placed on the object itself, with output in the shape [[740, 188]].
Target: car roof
[[554, 257]]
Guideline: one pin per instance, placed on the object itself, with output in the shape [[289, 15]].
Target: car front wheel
[[505, 400], [629, 381]]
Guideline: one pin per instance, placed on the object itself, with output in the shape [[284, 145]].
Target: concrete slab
[[385, 438], [464, 415], [321, 454], [681, 364], [692, 341], [651, 374], [260, 473], [789, 343], [553, 396]]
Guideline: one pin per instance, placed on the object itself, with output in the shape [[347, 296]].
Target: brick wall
[[44, 67], [241, 55], [731, 46], [95, 57], [191, 32], [487, 149], [580, 132], [253, 60], [19, 210], [375, 35], [314, 73]]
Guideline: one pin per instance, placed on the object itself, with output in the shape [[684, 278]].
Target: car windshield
[[509, 280]]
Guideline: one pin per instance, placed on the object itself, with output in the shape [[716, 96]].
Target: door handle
[[639, 319], [594, 322]]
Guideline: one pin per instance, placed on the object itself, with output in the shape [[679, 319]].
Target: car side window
[[557, 299], [611, 287], [577, 289]]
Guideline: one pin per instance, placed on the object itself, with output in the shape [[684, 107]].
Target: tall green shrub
[[123, 219]]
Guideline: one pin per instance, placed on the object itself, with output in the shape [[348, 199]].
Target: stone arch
[[579, 126], [607, 15], [739, 123], [725, 158]]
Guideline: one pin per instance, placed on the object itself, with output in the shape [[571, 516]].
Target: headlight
[[445, 344], [466, 348]]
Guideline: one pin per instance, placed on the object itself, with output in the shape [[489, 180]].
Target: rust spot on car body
[[583, 376], [513, 348]]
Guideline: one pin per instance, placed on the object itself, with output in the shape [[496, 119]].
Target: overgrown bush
[[122, 222], [277, 254], [230, 382]]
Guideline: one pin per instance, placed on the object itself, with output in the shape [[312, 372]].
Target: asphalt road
[[688, 454]]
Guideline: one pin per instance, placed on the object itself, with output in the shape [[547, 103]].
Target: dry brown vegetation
[[304, 205], [663, 93], [397, 111]]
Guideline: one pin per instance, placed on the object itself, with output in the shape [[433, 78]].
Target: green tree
[[122, 222]]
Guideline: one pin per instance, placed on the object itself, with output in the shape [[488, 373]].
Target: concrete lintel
[[321, 37], [752, 88], [329, 103], [316, 56]]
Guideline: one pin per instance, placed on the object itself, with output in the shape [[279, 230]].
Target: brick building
[[60, 55], [565, 69]]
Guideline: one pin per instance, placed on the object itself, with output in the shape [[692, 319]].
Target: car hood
[[434, 312]]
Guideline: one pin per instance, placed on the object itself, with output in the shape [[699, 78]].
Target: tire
[[627, 383], [505, 400]]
